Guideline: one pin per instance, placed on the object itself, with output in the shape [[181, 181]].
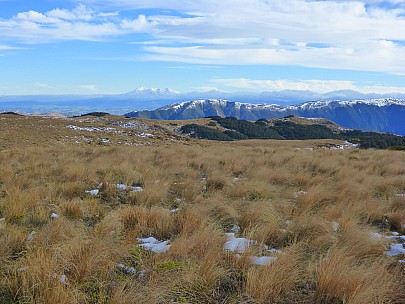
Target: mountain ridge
[[151, 98], [382, 115]]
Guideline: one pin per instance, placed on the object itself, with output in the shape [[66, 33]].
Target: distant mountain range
[[383, 115], [152, 98], [348, 108]]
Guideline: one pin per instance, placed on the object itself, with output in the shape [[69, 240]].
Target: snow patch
[[235, 244], [344, 146], [125, 187], [299, 194], [153, 244], [63, 279], [240, 245], [335, 226], [30, 236], [263, 260], [235, 228], [93, 192], [91, 129], [395, 249], [273, 250]]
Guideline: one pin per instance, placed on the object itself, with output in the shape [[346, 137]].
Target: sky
[[115, 46]]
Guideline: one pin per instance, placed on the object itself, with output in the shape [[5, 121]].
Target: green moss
[[139, 251], [17, 219], [172, 265]]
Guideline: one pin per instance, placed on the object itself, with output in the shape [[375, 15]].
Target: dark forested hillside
[[230, 128]]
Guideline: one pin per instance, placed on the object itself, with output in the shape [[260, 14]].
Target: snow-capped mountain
[[385, 115], [152, 93]]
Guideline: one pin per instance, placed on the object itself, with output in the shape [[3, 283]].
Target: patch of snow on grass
[[154, 245], [235, 244], [344, 146], [93, 192], [125, 187], [240, 245], [335, 226], [63, 279], [235, 228], [299, 194], [273, 250], [121, 187], [91, 129], [136, 189], [263, 260], [396, 249], [144, 135], [30, 236]]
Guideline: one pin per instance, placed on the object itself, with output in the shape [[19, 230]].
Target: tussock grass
[[270, 283], [342, 278], [145, 222], [319, 207]]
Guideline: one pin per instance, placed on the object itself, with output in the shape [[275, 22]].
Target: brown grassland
[[322, 208]]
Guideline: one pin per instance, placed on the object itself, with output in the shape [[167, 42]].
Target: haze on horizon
[[114, 46]]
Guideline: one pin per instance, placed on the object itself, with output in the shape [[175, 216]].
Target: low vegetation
[[316, 224]]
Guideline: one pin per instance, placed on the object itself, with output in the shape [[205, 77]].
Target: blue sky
[[115, 46]]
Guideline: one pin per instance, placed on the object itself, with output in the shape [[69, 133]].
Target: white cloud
[[81, 12], [89, 87], [362, 35], [9, 48], [80, 23], [327, 34], [319, 86], [384, 57], [44, 85]]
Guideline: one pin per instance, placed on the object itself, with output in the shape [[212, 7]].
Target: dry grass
[[318, 206], [343, 278]]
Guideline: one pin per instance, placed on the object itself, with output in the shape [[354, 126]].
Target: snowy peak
[[153, 93], [209, 103], [378, 102], [195, 103]]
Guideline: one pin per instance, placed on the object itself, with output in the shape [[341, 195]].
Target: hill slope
[[288, 128]]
